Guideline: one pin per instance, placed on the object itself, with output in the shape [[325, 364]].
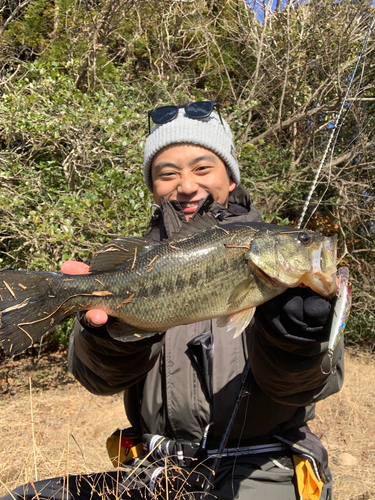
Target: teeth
[[187, 205]]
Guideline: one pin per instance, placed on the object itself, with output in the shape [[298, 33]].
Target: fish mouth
[[322, 278]]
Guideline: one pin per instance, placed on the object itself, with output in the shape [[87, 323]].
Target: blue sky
[[258, 6]]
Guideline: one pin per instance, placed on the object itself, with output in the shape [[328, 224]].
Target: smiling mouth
[[188, 205]]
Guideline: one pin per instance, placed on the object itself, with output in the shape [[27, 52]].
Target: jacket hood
[[240, 196]]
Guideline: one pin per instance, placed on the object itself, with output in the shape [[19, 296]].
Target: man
[[181, 386]]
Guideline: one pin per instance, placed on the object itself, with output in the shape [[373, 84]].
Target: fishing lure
[[340, 313]]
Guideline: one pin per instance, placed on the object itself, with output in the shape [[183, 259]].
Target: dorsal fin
[[117, 253], [198, 224]]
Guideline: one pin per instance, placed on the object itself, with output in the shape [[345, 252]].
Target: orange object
[[122, 449], [309, 486]]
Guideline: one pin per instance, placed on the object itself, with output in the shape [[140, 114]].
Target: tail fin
[[28, 308]]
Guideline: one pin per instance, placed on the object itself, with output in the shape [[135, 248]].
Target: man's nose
[[187, 185]]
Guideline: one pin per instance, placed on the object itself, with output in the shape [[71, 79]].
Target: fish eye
[[304, 238]]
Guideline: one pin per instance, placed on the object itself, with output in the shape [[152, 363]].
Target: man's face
[[188, 173]]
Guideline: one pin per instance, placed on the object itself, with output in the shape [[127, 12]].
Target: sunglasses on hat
[[196, 110]]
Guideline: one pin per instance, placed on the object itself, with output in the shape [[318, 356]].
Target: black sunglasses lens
[[164, 114], [195, 110], [199, 109]]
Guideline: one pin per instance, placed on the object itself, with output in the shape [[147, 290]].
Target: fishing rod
[[343, 298], [335, 128], [242, 392]]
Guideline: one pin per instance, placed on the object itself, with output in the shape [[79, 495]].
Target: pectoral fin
[[240, 291], [237, 321]]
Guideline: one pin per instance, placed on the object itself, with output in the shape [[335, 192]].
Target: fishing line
[[336, 128], [330, 165]]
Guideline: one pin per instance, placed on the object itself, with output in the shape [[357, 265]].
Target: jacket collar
[[171, 216]]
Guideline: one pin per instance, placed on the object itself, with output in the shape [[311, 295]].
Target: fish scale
[[206, 271], [179, 287]]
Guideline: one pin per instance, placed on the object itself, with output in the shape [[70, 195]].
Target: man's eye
[[167, 174]]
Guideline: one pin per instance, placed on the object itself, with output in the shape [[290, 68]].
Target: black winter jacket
[[179, 382]]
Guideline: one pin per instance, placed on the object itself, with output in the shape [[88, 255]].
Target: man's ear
[[232, 185]]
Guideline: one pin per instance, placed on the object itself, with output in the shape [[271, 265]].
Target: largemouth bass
[[205, 271]]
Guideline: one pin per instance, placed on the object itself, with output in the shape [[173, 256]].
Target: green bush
[[77, 82]]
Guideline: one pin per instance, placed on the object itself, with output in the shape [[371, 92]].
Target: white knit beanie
[[207, 132]]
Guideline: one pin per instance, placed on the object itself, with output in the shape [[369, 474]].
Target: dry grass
[[70, 431], [69, 427], [345, 423]]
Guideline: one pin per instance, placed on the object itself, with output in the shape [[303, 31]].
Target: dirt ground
[[50, 425]]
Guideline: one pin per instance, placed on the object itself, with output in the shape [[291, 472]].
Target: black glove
[[286, 346], [298, 312]]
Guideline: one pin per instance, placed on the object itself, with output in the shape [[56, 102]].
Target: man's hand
[[95, 317], [297, 312]]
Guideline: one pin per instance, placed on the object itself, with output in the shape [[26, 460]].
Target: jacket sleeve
[[105, 366], [287, 346]]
